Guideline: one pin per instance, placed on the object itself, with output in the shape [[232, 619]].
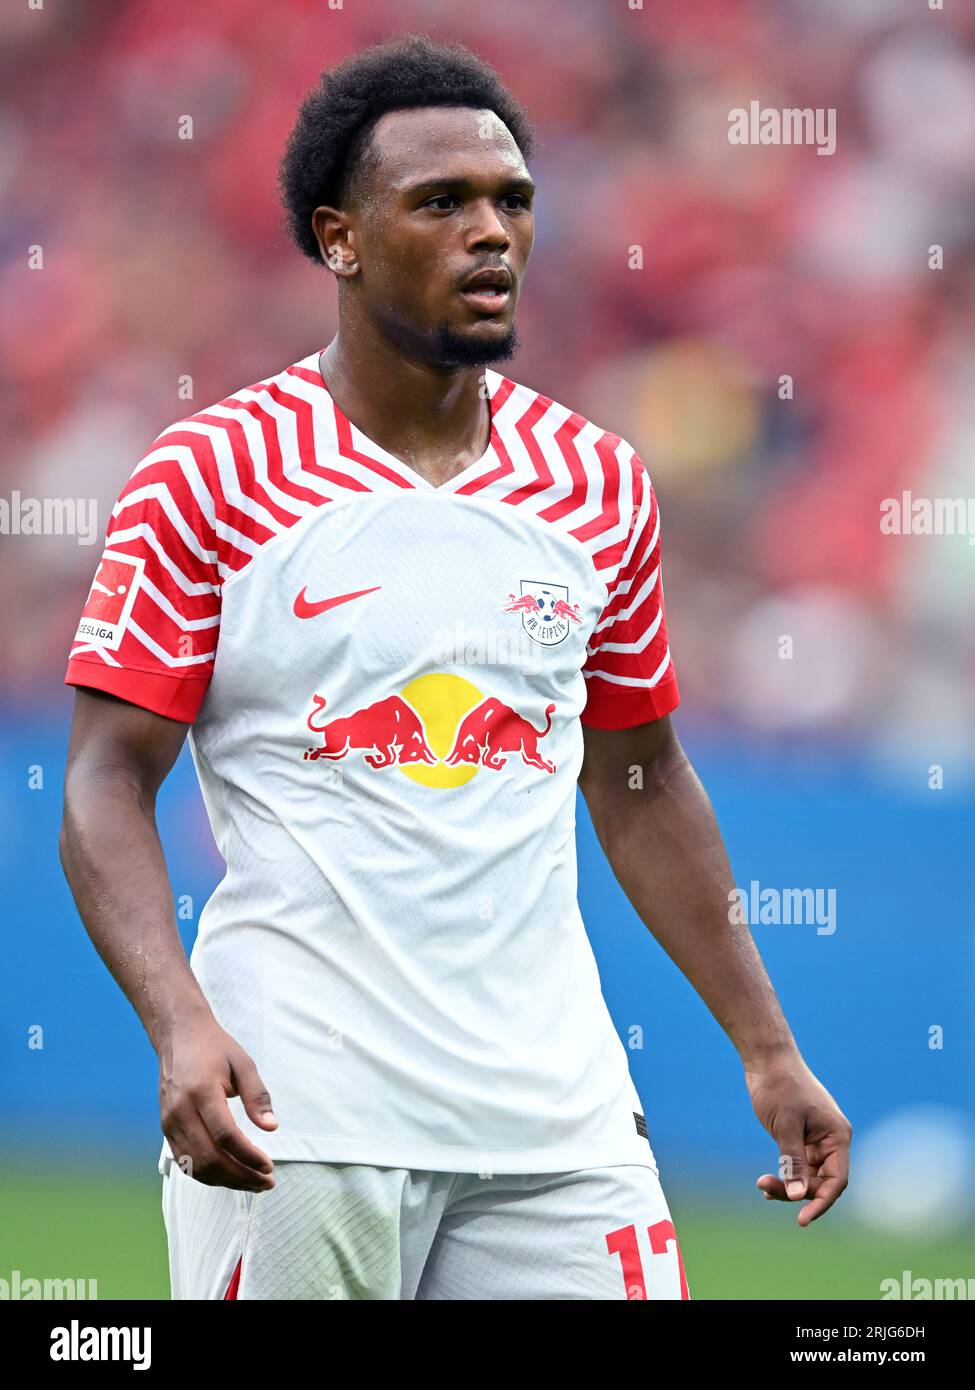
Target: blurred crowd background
[[166, 257]]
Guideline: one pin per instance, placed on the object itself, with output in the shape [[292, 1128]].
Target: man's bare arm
[[113, 859], [657, 827]]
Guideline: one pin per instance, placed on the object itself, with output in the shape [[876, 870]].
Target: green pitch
[[107, 1225]]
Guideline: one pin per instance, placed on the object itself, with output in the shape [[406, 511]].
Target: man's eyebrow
[[518, 183]]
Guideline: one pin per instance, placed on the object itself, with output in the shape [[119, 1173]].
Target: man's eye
[[518, 198], [440, 201]]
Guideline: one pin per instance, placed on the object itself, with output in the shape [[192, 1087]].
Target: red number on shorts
[[624, 1243]]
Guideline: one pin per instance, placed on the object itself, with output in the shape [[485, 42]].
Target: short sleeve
[[148, 630], [629, 672]]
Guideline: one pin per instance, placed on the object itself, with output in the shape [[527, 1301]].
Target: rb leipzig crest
[[546, 613]]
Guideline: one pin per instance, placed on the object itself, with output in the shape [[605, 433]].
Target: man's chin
[[453, 349]]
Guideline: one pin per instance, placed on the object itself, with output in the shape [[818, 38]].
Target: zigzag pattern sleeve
[[148, 631], [629, 672]]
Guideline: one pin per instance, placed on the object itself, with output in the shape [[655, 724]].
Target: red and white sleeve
[[629, 672], [148, 631]]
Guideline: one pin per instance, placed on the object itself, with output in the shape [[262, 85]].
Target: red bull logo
[[546, 613], [439, 731], [528, 603], [492, 731], [390, 729], [561, 609]]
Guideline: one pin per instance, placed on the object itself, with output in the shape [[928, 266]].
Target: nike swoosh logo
[[306, 609]]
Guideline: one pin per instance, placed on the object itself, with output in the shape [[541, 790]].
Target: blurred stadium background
[[165, 257]]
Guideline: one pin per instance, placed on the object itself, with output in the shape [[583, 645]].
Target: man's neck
[[437, 420]]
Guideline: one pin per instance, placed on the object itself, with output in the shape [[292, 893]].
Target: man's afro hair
[[324, 150]]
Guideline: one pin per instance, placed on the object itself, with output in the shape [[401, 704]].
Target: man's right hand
[[199, 1067], [119, 756]]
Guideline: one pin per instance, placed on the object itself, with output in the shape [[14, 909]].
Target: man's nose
[[487, 227]]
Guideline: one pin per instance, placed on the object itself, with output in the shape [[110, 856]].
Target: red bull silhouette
[[492, 730], [528, 603], [561, 609], [391, 730]]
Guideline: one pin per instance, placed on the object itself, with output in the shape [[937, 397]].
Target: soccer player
[[404, 604]]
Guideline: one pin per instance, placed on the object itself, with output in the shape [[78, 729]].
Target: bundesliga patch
[[546, 613], [110, 599], [641, 1126]]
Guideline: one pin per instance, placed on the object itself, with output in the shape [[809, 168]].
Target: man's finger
[[826, 1195], [223, 1132], [792, 1160], [824, 1188], [833, 1177], [188, 1139], [773, 1187], [215, 1168], [252, 1091]]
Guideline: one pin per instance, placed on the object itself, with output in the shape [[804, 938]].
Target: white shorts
[[348, 1230]]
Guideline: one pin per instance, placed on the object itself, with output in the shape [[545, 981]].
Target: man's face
[[445, 197]]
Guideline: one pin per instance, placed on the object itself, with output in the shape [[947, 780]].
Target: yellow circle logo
[[441, 700]]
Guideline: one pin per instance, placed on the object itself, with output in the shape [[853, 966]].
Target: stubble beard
[[450, 349]]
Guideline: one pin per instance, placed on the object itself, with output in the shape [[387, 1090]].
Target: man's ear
[[335, 241]]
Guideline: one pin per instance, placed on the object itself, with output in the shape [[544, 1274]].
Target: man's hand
[[662, 840], [199, 1067], [810, 1129]]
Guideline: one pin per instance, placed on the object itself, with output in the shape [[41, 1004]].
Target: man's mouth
[[488, 291], [489, 301]]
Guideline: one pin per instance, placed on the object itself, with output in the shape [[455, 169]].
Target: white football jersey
[[387, 683]]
